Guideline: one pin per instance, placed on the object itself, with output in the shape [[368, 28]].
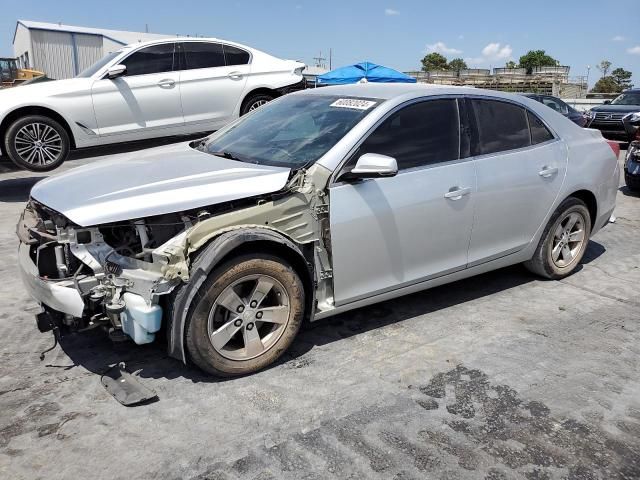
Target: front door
[[520, 168], [387, 233], [143, 101]]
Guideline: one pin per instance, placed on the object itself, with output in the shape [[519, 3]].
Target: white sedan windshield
[[98, 65]]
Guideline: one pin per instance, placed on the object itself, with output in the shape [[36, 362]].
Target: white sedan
[[146, 90]]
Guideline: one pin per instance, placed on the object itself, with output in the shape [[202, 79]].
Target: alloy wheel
[[38, 144], [568, 239], [257, 104], [248, 317]]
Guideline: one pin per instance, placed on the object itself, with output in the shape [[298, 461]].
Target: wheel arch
[[258, 91], [35, 110], [222, 248], [590, 201]]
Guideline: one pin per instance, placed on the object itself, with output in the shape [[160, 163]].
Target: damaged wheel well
[[221, 249], [302, 266]]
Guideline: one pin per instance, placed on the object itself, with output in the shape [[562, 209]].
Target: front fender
[[206, 261]]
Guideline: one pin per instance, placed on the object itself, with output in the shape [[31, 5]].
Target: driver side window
[[419, 134], [154, 59]]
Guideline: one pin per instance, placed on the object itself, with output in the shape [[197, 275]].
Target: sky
[[396, 33]]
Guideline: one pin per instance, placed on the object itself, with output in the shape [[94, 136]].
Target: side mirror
[[373, 165], [606, 102], [116, 71]]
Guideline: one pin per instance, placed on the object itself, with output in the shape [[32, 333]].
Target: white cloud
[[391, 12], [493, 52], [634, 50], [440, 47], [618, 38]]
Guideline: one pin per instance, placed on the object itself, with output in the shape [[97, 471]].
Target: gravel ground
[[499, 376]]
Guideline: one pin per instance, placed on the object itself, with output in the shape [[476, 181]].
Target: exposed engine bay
[[113, 276]]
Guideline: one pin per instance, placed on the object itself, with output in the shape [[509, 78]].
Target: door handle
[[456, 193], [547, 172], [235, 75], [166, 83]]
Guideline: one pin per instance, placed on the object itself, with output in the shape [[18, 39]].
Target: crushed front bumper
[[61, 296]]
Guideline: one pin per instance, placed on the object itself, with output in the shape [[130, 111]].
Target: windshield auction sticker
[[353, 103]]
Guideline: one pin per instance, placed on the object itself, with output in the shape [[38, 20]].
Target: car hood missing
[[151, 182]]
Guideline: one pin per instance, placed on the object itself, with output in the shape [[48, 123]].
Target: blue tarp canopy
[[370, 71]]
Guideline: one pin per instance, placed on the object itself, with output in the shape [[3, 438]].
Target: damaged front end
[[114, 276], [110, 275]]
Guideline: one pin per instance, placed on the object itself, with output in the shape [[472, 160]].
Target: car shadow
[[17, 189], [95, 352], [627, 192]]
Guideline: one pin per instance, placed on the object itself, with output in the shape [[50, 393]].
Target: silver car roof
[[394, 94], [388, 91]]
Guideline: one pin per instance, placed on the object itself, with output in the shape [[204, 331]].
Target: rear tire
[[245, 315], [563, 241], [37, 143], [255, 101]]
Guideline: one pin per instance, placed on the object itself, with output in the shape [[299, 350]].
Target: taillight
[[615, 146], [636, 137]]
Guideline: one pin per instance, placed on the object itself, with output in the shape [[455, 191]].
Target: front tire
[[255, 101], [563, 241], [245, 315], [37, 143]]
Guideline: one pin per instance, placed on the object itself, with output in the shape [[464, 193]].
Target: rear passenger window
[[235, 55], [500, 126], [539, 132], [420, 134], [202, 55]]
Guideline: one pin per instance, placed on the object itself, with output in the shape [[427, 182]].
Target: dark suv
[[608, 117], [561, 107]]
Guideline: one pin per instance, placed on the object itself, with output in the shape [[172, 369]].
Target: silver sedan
[[315, 204]]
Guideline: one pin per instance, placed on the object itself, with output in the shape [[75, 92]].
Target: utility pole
[[330, 55], [146, 27]]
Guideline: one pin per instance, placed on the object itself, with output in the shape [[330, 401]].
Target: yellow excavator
[[11, 75]]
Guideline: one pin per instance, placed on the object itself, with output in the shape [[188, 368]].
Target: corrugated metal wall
[[89, 49], [53, 52]]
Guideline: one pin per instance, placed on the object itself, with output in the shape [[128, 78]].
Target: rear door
[[143, 101], [387, 233], [520, 168], [212, 79]]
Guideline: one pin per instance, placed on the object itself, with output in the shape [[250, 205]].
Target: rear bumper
[[301, 85], [57, 295]]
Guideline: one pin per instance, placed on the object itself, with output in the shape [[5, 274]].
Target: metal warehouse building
[[63, 51]]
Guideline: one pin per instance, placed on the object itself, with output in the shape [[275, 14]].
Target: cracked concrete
[[502, 376]]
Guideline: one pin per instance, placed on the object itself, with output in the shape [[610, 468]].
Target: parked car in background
[[608, 117], [145, 90], [561, 107], [320, 202], [631, 123]]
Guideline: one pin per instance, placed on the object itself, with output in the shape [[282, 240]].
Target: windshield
[[293, 131], [627, 99], [98, 65]]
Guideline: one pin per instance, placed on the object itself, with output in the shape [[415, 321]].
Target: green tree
[[457, 64], [604, 67], [606, 84], [511, 64], [536, 58], [622, 78], [434, 61]]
